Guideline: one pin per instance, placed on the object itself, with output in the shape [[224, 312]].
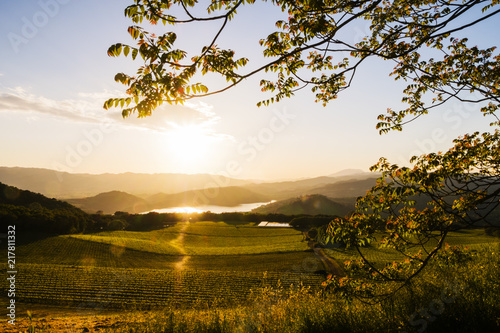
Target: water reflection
[[212, 208]]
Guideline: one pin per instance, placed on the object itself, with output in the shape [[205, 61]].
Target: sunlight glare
[[189, 144]]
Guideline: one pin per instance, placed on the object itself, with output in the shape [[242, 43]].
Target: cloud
[[171, 118], [19, 100], [88, 109]]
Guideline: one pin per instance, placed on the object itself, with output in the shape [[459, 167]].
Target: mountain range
[[59, 184]]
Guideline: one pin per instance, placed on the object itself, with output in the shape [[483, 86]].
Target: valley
[[139, 193]]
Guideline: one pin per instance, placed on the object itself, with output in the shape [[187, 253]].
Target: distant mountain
[[223, 196], [348, 172], [111, 202], [307, 204], [345, 189], [349, 186], [287, 189], [68, 185]]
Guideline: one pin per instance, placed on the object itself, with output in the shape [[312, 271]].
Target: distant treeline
[[41, 219], [153, 220]]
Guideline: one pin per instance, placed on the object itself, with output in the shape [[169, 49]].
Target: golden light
[[189, 144]]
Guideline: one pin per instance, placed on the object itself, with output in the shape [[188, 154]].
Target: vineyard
[[186, 264], [102, 288], [204, 238]]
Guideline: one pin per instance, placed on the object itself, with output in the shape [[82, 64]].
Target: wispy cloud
[[19, 100], [88, 109]]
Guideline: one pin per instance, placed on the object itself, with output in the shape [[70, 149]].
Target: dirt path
[[179, 244], [330, 264]]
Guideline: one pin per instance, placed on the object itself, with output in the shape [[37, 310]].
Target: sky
[[55, 76]]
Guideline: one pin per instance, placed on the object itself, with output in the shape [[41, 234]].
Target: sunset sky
[[55, 75]]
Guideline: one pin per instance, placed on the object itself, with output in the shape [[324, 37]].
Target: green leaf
[[134, 32]]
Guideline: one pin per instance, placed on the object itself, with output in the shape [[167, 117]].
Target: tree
[[307, 43], [117, 224], [424, 39]]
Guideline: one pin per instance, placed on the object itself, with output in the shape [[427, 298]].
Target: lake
[[211, 208]]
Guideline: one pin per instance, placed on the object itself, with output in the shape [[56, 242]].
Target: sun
[[189, 144]]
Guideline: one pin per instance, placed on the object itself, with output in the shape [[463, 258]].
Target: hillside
[[224, 196], [307, 204], [110, 202], [287, 189], [11, 195], [345, 189], [73, 185], [342, 186], [350, 173]]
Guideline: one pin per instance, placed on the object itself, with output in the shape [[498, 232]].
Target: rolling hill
[[345, 189], [287, 189], [345, 186], [35, 212], [307, 204], [10, 195], [111, 202], [350, 172]]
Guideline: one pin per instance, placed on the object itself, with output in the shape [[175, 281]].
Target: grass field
[[204, 238], [202, 264]]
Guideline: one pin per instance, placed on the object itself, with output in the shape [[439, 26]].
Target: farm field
[[204, 238], [121, 288], [183, 264]]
